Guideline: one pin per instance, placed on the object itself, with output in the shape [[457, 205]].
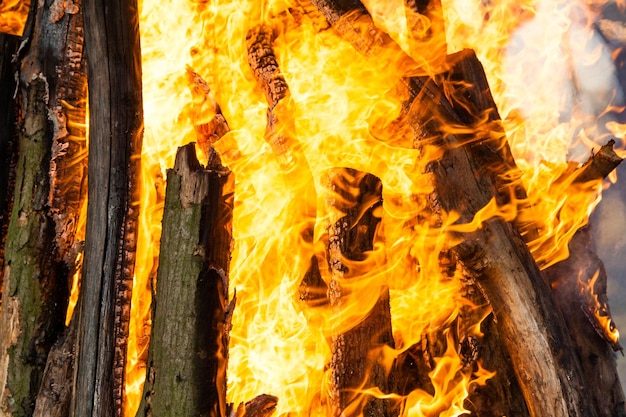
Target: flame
[[13, 14], [598, 309], [342, 110]]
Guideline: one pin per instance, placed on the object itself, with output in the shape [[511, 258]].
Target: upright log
[[191, 312], [115, 132], [36, 277]]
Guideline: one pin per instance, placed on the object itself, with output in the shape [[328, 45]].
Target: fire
[[13, 14], [341, 110]]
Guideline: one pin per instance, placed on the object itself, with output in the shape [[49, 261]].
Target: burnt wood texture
[[40, 237], [115, 132]]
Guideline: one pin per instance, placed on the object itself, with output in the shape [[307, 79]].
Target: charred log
[[354, 204], [115, 103], [39, 236], [262, 406], [579, 285], [191, 314]]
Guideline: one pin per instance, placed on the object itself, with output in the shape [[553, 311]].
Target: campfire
[[305, 208]]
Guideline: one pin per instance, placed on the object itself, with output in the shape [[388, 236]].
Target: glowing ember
[[341, 111]]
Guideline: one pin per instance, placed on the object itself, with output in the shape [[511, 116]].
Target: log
[[55, 393], [115, 132], [262, 406], [8, 137], [579, 285], [550, 374], [191, 315], [354, 203], [42, 226]]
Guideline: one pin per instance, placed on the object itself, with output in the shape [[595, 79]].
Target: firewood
[[354, 202], [115, 132], [191, 312], [8, 137], [262, 406], [579, 285], [41, 228], [550, 373], [55, 392]]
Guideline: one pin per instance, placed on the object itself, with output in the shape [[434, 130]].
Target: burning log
[[354, 204], [115, 123], [40, 238], [191, 313], [579, 286], [550, 373]]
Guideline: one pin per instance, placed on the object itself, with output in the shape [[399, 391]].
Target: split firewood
[[115, 123], [550, 373], [354, 205], [192, 314], [42, 228], [8, 137]]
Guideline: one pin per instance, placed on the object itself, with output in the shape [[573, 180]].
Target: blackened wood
[[579, 286], [55, 392], [8, 137], [115, 132], [39, 238], [262, 406], [191, 311], [354, 203]]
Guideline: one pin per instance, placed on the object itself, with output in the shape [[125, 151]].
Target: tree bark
[[192, 314], [115, 132], [354, 204], [42, 227]]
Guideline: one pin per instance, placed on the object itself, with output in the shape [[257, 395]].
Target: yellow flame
[[342, 110], [13, 14]]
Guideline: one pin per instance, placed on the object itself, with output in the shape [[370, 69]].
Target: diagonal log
[[495, 255], [115, 131]]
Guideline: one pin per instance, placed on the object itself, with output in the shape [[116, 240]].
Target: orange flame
[[13, 14], [343, 112]]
